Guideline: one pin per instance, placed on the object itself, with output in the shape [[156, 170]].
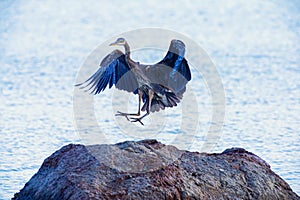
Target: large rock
[[151, 170]]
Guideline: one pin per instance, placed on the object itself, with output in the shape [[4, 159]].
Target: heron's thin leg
[[151, 94], [140, 100], [132, 114]]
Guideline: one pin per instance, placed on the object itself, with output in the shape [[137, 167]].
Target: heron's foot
[[122, 114], [126, 114], [137, 120]]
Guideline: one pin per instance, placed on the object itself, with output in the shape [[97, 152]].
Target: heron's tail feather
[[164, 99]]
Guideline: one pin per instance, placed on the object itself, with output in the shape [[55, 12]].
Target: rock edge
[[148, 169]]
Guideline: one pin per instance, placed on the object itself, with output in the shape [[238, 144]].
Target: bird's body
[[158, 86]]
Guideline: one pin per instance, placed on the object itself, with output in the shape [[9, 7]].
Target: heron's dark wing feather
[[114, 70], [173, 71]]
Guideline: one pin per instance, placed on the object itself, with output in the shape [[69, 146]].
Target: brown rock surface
[[151, 170]]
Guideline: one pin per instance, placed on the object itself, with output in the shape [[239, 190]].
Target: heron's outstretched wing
[[114, 70], [173, 71]]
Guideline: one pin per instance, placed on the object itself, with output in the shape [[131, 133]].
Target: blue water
[[254, 45]]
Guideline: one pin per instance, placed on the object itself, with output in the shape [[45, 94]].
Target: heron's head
[[118, 42]]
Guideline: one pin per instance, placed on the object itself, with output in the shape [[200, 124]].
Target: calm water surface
[[255, 47]]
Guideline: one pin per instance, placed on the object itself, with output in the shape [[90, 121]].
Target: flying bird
[[158, 86]]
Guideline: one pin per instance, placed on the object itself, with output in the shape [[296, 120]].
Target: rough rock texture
[[151, 170]]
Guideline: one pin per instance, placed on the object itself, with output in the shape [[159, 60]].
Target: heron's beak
[[113, 44]]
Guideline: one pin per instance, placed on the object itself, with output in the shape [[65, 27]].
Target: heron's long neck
[[127, 50], [131, 63]]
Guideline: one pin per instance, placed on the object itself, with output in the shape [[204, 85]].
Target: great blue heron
[[159, 85]]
